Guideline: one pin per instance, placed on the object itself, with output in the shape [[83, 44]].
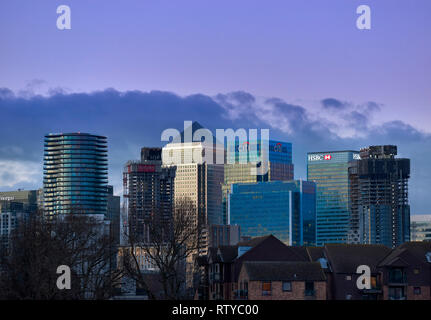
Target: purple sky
[[296, 50], [299, 51]]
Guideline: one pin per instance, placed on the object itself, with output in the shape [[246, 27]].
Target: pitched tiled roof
[[253, 241], [228, 253], [408, 253], [345, 258], [316, 253], [284, 271]]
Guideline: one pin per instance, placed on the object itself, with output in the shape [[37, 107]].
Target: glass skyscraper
[[329, 170], [241, 159], [75, 174], [285, 209]]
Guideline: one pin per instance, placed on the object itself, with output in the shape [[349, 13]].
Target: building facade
[[286, 209], [380, 212], [113, 213], [148, 189], [420, 227], [75, 174], [243, 161], [329, 170]]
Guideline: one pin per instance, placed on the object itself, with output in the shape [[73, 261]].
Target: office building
[[224, 235], [75, 174], [329, 170], [28, 199], [380, 212], [285, 209], [113, 213], [243, 161], [148, 189], [420, 227], [197, 179]]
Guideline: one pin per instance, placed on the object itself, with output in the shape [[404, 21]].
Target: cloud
[[18, 174], [133, 119], [331, 103]]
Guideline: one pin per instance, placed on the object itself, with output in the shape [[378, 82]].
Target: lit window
[[287, 286]]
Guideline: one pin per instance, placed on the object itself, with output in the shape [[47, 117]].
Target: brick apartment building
[[284, 280], [265, 268]]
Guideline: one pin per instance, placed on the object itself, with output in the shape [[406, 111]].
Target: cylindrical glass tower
[[75, 174]]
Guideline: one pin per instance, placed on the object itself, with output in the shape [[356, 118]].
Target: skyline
[[125, 145], [130, 70]]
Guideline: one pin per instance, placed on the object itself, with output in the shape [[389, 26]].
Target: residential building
[[75, 174], [287, 280], [406, 272]]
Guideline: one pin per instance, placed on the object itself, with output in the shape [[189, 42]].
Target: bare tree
[[40, 244], [168, 244]]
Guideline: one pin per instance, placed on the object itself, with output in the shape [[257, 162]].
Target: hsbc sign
[[319, 157]]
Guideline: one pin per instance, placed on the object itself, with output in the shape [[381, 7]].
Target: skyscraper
[[285, 209], [195, 178], [380, 213], [75, 174], [420, 227], [148, 189], [329, 170], [240, 164]]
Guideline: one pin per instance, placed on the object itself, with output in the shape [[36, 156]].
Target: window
[[417, 290], [266, 288], [396, 293], [309, 288], [348, 277], [416, 271], [287, 286], [373, 282]]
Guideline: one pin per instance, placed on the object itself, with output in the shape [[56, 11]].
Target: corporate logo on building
[[7, 198], [323, 157]]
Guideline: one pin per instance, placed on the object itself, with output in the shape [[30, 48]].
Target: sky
[[130, 69]]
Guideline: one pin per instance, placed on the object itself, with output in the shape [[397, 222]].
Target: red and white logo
[[327, 157]]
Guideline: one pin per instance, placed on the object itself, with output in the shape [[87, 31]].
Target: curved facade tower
[[75, 174]]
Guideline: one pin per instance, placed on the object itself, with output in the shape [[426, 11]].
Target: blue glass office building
[[75, 174], [285, 209], [329, 170]]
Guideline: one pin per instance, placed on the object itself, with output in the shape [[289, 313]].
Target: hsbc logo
[[319, 157]]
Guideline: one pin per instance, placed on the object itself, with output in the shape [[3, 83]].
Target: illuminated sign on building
[[7, 198]]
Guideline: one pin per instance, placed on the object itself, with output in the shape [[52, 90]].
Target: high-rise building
[[113, 213], [329, 170], [420, 227], [195, 178], [10, 214], [285, 209], [242, 161], [148, 189], [380, 213], [75, 174], [224, 235], [28, 198]]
